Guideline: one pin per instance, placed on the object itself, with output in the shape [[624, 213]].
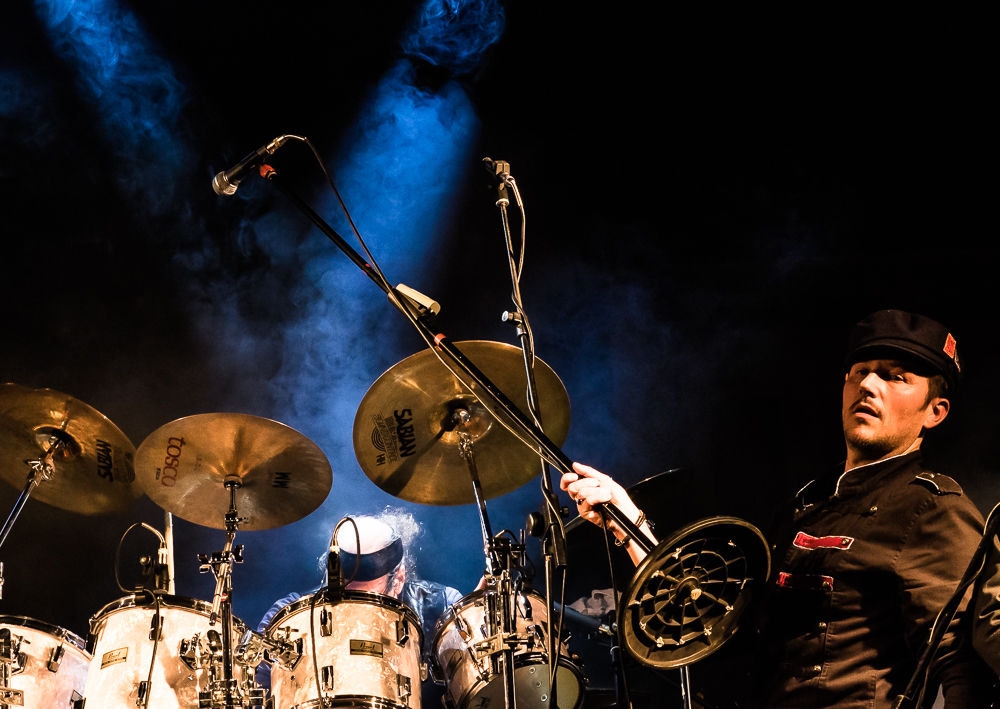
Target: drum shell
[[43, 688], [122, 650], [358, 675], [470, 690]]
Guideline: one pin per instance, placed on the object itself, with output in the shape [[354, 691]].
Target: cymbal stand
[[502, 637], [41, 470], [225, 693]]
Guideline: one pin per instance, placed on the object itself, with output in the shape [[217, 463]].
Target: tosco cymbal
[[94, 466], [407, 444], [183, 466]]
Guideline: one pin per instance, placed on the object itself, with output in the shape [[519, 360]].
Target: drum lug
[[156, 627], [464, 630], [287, 653], [402, 632], [403, 686], [14, 697], [55, 659], [190, 652], [325, 623], [143, 690], [12, 660], [327, 674], [536, 633]]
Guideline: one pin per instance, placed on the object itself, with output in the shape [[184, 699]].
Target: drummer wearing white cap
[[385, 566]]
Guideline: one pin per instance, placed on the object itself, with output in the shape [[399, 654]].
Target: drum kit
[[418, 435]]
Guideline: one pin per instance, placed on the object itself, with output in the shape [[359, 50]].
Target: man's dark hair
[[936, 386]]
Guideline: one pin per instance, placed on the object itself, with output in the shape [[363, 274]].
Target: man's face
[[885, 408]]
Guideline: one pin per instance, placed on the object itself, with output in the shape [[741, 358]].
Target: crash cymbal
[[183, 466], [407, 443], [94, 466]]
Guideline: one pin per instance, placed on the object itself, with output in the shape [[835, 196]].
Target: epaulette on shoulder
[[938, 484]]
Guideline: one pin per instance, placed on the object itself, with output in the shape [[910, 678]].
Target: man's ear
[[937, 411]]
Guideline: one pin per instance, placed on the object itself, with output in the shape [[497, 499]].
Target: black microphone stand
[[553, 536]]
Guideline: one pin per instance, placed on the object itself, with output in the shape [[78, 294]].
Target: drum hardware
[[11, 663], [200, 651], [40, 665], [282, 649], [224, 690]]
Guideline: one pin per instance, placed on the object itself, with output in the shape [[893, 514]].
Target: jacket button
[[821, 626], [873, 510], [817, 668]]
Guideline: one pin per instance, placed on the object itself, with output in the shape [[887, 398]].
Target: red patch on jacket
[[813, 582], [807, 541]]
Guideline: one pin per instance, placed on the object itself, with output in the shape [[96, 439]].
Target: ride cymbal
[[184, 464], [93, 465], [407, 443]]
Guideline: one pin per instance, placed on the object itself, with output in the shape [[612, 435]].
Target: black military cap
[[894, 330]]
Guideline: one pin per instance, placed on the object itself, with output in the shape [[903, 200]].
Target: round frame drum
[[51, 669], [471, 682], [122, 638], [367, 652]]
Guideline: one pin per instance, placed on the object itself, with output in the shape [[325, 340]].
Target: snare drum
[[122, 641], [50, 664], [367, 652], [469, 678]]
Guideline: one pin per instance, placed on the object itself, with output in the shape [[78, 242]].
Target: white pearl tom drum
[[122, 635], [46, 664], [367, 653]]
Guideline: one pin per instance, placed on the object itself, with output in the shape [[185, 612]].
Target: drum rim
[[167, 602], [23, 621], [372, 702], [377, 599]]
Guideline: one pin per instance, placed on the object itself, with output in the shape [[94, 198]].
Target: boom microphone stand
[[501, 407]]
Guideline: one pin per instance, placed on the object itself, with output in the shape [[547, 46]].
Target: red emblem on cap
[[949, 346]]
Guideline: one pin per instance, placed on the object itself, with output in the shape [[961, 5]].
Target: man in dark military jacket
[[866, 555]]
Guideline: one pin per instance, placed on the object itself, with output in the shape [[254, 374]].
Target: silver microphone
[[226, 182]]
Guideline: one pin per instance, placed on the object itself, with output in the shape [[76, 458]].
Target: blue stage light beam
[[401, 168], [135, 95]]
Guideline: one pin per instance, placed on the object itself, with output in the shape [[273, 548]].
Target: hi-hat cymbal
[[184, 464], [407, 443], [93, 466]]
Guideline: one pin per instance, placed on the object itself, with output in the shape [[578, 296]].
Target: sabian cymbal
[[183, 466], [407, 443], [94, 466]]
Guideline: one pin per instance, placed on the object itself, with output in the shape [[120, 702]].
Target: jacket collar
[[842, 484]]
